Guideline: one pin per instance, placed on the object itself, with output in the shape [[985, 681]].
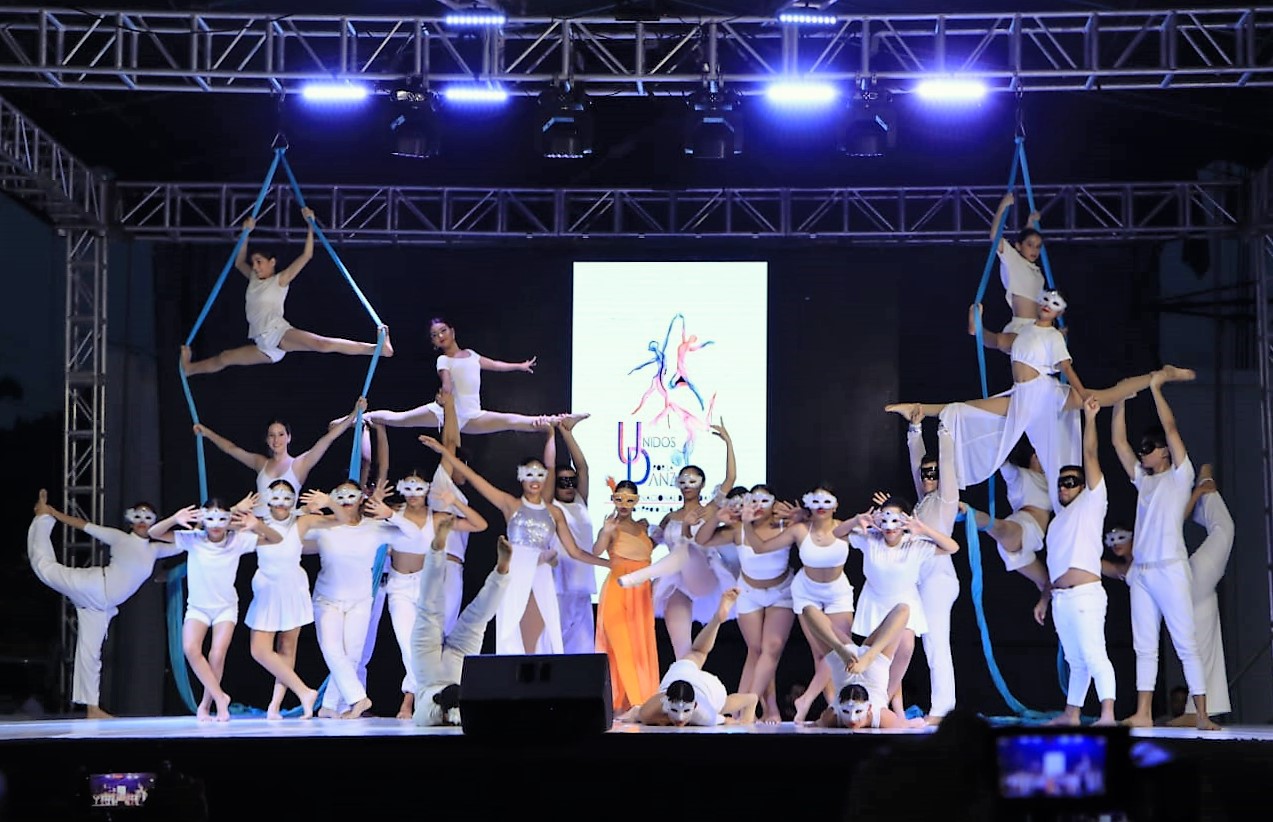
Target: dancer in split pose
[[273, 336], [98, 591], [527, 621]]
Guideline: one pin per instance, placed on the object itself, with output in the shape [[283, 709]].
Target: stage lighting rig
[[566, 126], [416, 126], [869, 127], [713, 128]]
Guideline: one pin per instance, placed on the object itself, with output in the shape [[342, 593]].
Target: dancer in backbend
[[1020, 275], [764, 609], [213, 551], [625, 616], [576, 582], [272, 336], [461, 373], [527, 621], [97, 591], [280, 464], [1160, 574]]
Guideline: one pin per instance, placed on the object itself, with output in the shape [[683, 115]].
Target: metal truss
[[244, 52], [381, 215], [1261, 256], [36, 169]]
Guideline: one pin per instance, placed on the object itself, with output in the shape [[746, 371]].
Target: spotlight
[[416, 128], [802, 16], [566, 128], [475, 19], [869, 127], [713, 130], [475, 93], [952, 90], [801, 93], [335, 92]]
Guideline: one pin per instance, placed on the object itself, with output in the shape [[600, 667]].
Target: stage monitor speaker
[[556, 694]]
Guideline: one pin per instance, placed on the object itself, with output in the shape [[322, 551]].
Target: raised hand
[[249, 224], [244, 520], [248, 503], [377, 508], [444, 498], [315, 501], [42, 506], [307, 213], [528, 366], [610, 523], [381, 490], [187, 516], [866, 521], [719, 430], [974, 317], [431, 444], [1091, 408], [879, 497], [200, 430], [1008, 199], [752, 511]]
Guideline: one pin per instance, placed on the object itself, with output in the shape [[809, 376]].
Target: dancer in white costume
[[576, 582], [273, 336], [1074, 568], [213, 551], [98, 591], [461, 373], [894, 548], [1019, 272], [860, 674], [938, 506], [689, 580], [438, 655], [280, 464], [281, 603], [1160, 575], [689, 695], [764, 609], [1206, 566], [1019, 536], [527, 621]]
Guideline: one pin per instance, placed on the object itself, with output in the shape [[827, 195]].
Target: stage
[[249, 767]]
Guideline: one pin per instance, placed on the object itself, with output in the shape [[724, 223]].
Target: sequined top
[[532, 526]]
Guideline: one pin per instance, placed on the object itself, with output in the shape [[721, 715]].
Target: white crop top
[[1025, 487], [1041, 348], [1019, 276], [818, 556], [769, 565]]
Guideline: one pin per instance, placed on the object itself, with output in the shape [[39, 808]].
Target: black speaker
[[557, 694]]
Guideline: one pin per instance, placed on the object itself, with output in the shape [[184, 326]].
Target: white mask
[[678, 712], [1052, 300], [888, 520], [819, 499], [346, 495], [852, 713], [140, 515], [763, 500], [413, 487], [735, 504], [531, 473], [281, 498], [1118, 536], [214, 518], [689, 480]]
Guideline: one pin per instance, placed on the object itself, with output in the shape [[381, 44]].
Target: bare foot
[[932, 720], [504, 551], [202, 713], [408, 706], [42, 503], [327, 713], [1205, 723], [1173, 374], [387, 351], [568, 421], [803, 703], [905, 409], [360, 707], [772, 715], [273, 711], [94, 712], [1138, 721], [223, 707], [1106, 722], [185, 360], [1066, 719], [308, 698]]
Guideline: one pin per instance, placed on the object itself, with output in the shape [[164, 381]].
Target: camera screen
[[1062, 766], [120, 790]]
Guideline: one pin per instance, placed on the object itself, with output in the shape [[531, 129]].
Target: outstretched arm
[[241, 259], [186, 517], [487, 364], [944, 542], [305, 463], [731, 468], [550, 463], [1167, 419], [568, 541], [506, 503], [947, 481], [1066, 367], [288, 274], [1000, 214], [66, 519], [254, 461], [1118, 433], [1091, 458], [915, 445], [577, 459]]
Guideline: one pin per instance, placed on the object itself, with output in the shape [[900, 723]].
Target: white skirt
[[873, 606], [703, 580], [280, 603]]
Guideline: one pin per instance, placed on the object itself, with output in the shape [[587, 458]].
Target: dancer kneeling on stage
[[438, 658], [688, 695]]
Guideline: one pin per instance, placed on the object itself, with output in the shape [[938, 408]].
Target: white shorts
[[756, 599], [211, 616], [1015, 325], [268, 341], [1031, 541], [835, 597]]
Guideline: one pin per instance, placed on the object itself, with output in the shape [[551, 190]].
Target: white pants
[[578, 633], [1031, 541], [341, 626], [1162, 591], [527, 575], [938, 591], [1207, 566], [1079, 615], [86, 589]]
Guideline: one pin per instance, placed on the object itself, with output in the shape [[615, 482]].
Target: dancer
[[625, 616], [1160, 576], [1019, 273], [97, 591], [764, 604], [1206, 567], [281, 604], [526, 621], [576, 582], [213, 551], [437, 656], [688, 695], [273, 336], [860, 674], [1074, 568], [689, 344], [461, 373], [1019, 537], [938, 493], [280, 464], [689, 420], [894, 548]]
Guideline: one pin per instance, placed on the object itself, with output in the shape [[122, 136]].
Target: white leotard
[[466, 382], [263, 304]]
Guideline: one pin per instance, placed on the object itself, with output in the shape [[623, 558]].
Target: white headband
[[819, 499], [413, 487], [531, 473], [140, 515], [1117, 536]]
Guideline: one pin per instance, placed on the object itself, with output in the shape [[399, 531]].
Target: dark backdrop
[[850, 329]]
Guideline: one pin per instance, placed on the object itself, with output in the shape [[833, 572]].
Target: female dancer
[[1019, 272], [527, 621], [820, 585], [281, 604], [213, 552], [96, 591], [461, 373], [625, 616], [765, 616], [894, 548], [1020, 536], [280, 464], [272, 336]]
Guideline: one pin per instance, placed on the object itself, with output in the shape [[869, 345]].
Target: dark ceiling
[[1071, 137]]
